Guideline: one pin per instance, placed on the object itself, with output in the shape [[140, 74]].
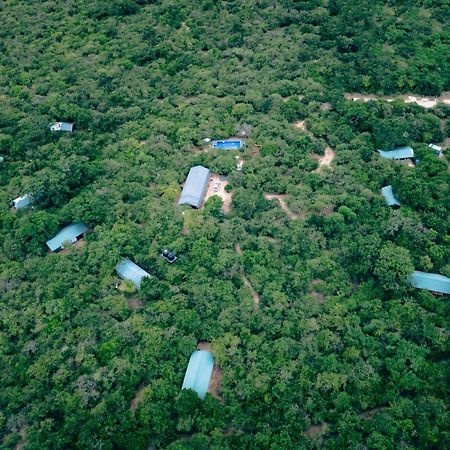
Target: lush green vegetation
[[339, 340]]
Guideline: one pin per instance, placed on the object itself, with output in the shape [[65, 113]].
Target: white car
[[216, 187]]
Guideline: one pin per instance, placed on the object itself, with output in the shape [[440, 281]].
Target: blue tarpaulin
[[430, 281], [199, 371]]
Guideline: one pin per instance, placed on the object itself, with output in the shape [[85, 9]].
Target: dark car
[[169, 256]]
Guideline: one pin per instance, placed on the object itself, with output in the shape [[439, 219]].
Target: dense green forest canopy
[[320, 341]]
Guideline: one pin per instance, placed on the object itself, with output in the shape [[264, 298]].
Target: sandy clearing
[[137, 398], [222, 193], [204, 345], [425, 102], [326, 159], [78, 244], [237, 248], [282, 200]]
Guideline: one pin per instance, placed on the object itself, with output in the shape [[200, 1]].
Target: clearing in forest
[[316, 430], [326, 159], [282, 200], [220, 182]]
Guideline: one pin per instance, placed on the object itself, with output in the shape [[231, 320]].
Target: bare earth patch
[[214, 384], [370, 413], [316, 430], [318, 297], [204, 345], [326, 159], [237, 248], [134, 304], [137, 398], [78, 244], [282, 200], [301, 124], [222, 193]]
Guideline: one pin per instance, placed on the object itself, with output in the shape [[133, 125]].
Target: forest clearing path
[[137, 398], [282, 200], [425, 102], [216, 375], [255, 295], [329, 152], [316, 430], [326, 159], [221, 192]]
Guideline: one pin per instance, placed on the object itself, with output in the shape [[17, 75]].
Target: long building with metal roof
[[430, 281], [195, 187], [70, 233], [398, 153], [130, 271], [388, 195], [198, 372]]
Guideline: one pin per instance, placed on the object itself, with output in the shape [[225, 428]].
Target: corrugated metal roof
[[61, 126], [128, 270], [22, 202], [431, 281], [397, 153], [67, 234], [194, 189], [388, 194], [198, 372]]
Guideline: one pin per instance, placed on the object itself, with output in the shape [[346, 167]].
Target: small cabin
[[62, 126], [21, 202], [69, 234], [388, 195], [398, 154], [128, 270], [437, 150], [433, 282]]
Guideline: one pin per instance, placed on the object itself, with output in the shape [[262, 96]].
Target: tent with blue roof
[[198, 372], [398, 153], [71, 233], [430, 281], [130, 271], [388, 195]]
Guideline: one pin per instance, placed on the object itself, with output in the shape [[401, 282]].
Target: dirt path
[[426, 102], [326, 159], [255, 295], [214, 383], [282, 200], [137, 398]]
